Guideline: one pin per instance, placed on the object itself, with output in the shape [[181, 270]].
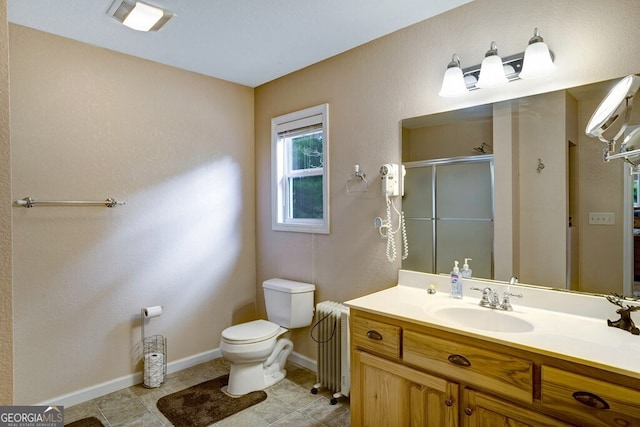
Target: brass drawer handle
[[591, 400], [374, 335], [448, 402], [459, 360]]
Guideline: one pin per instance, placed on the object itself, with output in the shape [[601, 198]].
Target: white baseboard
[[304, 361], [196, 359], [126, 381]]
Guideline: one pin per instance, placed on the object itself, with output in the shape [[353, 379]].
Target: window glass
[[306, 151], [300, 171], [306, 194]]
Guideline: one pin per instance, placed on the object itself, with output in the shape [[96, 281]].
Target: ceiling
[[249, 42]]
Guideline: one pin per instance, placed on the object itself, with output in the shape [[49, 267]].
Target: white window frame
[[281, 219]]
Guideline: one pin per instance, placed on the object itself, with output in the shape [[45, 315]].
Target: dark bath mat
[[204, 404], [86, 422]]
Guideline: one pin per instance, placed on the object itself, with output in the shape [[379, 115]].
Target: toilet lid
[[258, 330]]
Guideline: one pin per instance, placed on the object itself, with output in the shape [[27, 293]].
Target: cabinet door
[[481, 410], [385, 393]]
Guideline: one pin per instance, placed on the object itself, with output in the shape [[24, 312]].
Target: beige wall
[[506, 189], [543, 202], [600, 190], [448, 140], [177, 147], [370, 89], [6, 291]]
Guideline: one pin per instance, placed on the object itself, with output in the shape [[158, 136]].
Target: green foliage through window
[[306, 151], [307, 197]]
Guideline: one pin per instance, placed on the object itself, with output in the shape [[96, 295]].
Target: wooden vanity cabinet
[[405, 374], [392, 394]]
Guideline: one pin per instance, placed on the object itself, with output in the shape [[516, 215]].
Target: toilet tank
[[289, 303]]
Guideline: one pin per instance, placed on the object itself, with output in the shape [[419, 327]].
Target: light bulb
[[143, 17]]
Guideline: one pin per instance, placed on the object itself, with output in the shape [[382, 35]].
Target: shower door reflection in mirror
[[448, 208]]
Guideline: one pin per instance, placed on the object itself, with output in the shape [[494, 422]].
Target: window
[[299, 170]]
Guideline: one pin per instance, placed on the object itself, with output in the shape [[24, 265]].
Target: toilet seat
[[251, 332]]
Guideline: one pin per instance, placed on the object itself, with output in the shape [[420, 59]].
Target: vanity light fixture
[[535, 61], [615, 109], [138, 15]]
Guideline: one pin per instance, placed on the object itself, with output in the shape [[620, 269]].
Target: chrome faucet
[[506, 304], [491, 299]]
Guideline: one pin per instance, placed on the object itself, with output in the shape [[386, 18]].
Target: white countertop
[[566, 335]]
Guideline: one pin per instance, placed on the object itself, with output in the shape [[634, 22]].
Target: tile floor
[[288, 403]]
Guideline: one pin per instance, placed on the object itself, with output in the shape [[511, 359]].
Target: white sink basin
[[482, 318]]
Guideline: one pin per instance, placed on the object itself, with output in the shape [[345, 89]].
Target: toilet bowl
[[257, 350], [257, 354]]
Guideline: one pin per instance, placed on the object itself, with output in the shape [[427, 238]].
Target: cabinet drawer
[[377, 337], [496, 372], [589, 401]]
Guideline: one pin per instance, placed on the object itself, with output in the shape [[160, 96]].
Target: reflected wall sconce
[[139, 16], [536, 61], [614, 113]]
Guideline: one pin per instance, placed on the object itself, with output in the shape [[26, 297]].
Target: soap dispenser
[[456, 283], [465, 273]]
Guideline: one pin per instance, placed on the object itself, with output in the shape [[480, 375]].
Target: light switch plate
[[602, 218]]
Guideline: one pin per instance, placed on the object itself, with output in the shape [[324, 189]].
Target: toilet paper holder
[[154, 352], [149, 313]]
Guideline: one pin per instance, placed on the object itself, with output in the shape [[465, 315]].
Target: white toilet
[[256, 354]]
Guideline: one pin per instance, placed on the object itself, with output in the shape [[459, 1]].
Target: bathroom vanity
[[429, 360]]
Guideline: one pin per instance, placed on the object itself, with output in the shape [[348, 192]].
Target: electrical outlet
[[602, 218]]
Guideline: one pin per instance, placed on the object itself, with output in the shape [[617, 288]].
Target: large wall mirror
[[561, 216]]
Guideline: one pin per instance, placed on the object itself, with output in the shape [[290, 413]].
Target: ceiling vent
[[121, 10]]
